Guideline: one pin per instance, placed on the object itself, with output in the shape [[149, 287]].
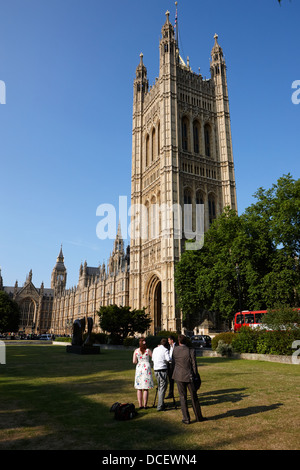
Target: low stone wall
[[248, 356], [26, 342]]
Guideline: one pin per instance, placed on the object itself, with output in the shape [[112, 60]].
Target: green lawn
[[50, 399]]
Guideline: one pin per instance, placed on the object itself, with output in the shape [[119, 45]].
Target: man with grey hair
[[161, 358], [184, 361]]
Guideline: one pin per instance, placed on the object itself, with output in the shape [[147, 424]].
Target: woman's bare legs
[[140, 397], [145, 398]]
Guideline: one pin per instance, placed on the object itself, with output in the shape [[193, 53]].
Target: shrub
[[63, 339], [223, 348], [277, 342], [281, 318], [97, 338], [245, 341], [100, 338], [166, 334], [131, 341], [225, 337]]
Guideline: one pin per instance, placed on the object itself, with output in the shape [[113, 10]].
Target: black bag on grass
[[123, 411]]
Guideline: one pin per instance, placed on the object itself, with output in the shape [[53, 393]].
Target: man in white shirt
[[161, 358]]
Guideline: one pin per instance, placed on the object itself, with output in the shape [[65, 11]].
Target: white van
[[45, 337]]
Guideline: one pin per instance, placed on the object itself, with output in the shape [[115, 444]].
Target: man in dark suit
[[184, 359], [172, 344]]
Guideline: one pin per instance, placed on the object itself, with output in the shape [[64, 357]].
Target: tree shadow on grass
[[52, 417]]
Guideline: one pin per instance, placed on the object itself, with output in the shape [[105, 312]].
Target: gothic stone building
[[54, 310], [35, 305], [181, 158]]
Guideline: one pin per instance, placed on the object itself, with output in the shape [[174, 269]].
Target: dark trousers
[[182, 390], [171, 381]]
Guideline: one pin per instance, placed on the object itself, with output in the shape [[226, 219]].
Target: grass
[[53, 400]]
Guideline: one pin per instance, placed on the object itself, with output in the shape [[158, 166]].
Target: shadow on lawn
[[215, 397], [243, 412], [52, 417]]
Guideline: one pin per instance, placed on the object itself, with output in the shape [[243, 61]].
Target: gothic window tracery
[[211, 209], [207, 139], [184, 130]]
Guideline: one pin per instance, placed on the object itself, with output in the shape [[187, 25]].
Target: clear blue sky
[[65, 130]]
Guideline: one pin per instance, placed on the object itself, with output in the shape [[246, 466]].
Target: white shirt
[[160, 358], [171, 350]]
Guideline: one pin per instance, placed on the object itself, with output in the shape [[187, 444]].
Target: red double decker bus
[[251, 318], [248, 318]]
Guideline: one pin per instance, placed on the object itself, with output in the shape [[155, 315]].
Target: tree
[[264, 244], [206, 279], [121, 322], [279, 209], [9, 314]]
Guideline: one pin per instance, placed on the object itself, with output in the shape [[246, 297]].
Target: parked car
[[45, 337], [201, 341]]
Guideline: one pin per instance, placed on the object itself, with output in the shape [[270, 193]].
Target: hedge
[[248, 340]]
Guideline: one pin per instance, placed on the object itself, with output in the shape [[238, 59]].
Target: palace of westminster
[[181, 154]]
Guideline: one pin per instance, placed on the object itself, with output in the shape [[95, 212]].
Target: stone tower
[[59, 275], [181, 159]]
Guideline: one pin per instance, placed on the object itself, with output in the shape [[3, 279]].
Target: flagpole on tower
[[176, 24]]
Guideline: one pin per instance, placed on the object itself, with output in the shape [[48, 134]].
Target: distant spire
[[119, 233], [60, 257]]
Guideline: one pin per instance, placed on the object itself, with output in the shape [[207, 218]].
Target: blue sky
[[65, 146]]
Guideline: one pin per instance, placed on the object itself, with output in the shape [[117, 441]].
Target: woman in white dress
[[143, 381]]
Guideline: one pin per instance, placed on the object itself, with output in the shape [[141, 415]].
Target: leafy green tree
[[9, 314], [277, 214], [278, 208], [264, 244], [121, 322], [206, 279]]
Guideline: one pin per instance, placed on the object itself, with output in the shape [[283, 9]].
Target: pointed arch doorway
[[155, 303]]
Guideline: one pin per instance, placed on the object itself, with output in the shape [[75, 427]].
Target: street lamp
[[237, 268]]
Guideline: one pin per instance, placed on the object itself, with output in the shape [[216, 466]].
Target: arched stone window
[[207, 140], [187, 197], [153, 146], [147, 150], [184, 131], [158, 139], [196, 135], [199, 198], [211, 209], [27, 312]]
